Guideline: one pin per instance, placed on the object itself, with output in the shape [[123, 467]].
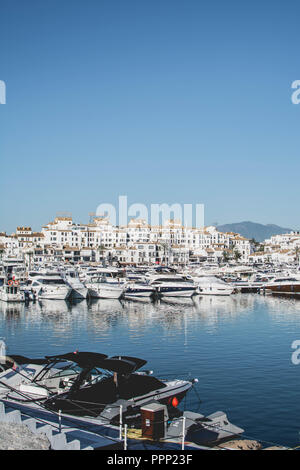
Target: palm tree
[[226, 256], [237, 255], [166, 248]]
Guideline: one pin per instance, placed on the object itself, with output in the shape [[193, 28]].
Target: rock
[[242, 444], [19, 437]]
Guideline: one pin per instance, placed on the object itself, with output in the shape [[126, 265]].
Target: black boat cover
[[24, 360], [82, 358], [135, 360], [119, 364]]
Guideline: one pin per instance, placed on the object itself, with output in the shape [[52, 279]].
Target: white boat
[[135, 289], [172, 285], [49, 286], [211, 285], [111, 275], [10, 292], [100, 288], [79, 290]]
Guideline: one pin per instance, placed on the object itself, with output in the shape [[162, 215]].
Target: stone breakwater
[[19, 437]]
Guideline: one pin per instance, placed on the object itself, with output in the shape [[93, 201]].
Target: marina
[[149, 236]]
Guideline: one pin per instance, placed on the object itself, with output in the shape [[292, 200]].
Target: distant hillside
[[252, 230]]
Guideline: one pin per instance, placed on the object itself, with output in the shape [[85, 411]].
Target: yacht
[[100, 287], [79, 290], [172, 285], [138, 289], [211, 285], [49, 286], [111, 274], [283, 284], [14, 267], [253, 284], [10, 292], [88, 384]]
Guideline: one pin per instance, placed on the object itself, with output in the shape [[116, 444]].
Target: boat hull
[[105, 293], [180, 292], [12, 297], [284, 288], [133, 292], [80, 293]]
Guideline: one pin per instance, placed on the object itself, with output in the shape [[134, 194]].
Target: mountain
[[253, 230]]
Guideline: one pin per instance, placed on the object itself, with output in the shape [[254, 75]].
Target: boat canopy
[[119, 364], [87, 360], [83, 359], [123, 364], [20, 360]]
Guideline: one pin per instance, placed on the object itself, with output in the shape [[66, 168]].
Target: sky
[[164, 101]]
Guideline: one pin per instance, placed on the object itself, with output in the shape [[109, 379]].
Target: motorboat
[[172, 285], [211, 285], [49, 285], [253, 284], [100, 288], [283, 284], [79, 290], [110, 274], [138, 289], [10, 292], [89, 384]]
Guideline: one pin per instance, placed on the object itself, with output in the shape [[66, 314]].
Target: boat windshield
[[51, 281]]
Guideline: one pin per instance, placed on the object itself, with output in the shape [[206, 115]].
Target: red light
[[175, 402]]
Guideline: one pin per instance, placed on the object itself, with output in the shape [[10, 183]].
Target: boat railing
[[67, 419]]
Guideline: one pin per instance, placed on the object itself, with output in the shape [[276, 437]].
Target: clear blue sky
[[160, 100]]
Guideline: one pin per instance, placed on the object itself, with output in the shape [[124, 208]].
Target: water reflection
[[11, 308], [144, 313], [238, 346], [104, 305]]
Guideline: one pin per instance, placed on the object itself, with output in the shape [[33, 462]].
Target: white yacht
[[49, 286], [14, 267], [172, 285], [110, 274], [211, 285], [138, 289], [79, 290], [10, 292], [99, 287]]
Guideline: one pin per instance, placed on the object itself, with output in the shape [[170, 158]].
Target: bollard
[[59, 420], [183, 432], [121, 422], [125, 437]]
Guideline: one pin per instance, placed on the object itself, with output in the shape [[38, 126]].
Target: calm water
[[238, 347]]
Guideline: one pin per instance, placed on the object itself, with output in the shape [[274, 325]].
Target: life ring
[[10, 283], [16, 283]]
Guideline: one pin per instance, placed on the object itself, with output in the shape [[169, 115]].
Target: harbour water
[[239, 348]]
